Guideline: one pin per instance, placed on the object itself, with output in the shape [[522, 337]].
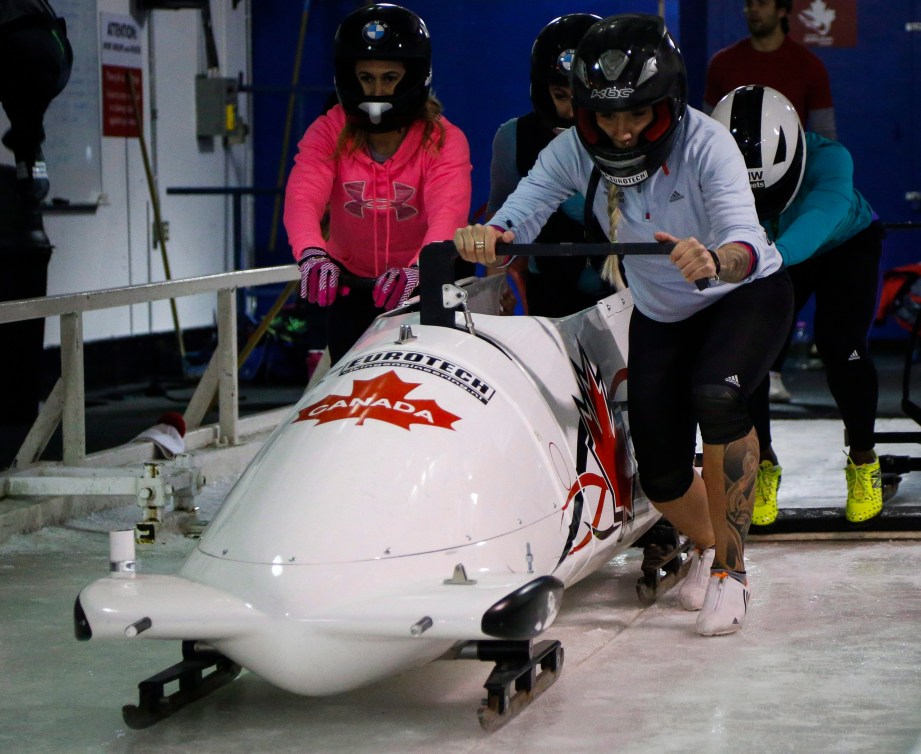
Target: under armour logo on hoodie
[[401, 196]]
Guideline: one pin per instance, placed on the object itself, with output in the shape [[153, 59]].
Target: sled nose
[[161, 607], [82, 629]]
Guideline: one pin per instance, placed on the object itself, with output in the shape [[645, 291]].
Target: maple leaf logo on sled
[[605, 438], [384, 398]]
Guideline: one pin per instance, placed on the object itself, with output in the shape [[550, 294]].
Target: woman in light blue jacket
[[670, 174]]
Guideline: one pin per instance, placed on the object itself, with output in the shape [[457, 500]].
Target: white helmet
[[770, 136]]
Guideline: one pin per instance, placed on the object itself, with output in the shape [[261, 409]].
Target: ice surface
[[828, 661]]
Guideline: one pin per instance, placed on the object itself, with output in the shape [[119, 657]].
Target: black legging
[[731, 343], [845, 281], [347, 319]]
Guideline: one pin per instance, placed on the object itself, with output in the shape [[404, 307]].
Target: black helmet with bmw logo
[[383, 32], [551, 61], [623, 63]]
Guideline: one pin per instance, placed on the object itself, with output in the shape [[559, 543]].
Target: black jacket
[[13, 10]]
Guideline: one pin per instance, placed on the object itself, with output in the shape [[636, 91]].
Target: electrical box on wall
[[216, 108]]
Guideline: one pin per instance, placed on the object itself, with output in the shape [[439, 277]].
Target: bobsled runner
[[430, 497]]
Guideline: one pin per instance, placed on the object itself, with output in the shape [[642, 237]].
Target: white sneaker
[[694, 586], [778, 393], [724, 605]]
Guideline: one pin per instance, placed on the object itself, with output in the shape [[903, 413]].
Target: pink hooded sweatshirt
[[381, 214]]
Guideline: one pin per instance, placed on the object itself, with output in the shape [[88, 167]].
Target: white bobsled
[[432, 495]]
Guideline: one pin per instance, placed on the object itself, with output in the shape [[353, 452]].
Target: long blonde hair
[[611, 269], [353, 138]]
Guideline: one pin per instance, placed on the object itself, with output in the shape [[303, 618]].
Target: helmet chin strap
[[375, 110]]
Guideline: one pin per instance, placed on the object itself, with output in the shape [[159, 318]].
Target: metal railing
[[65, 404]]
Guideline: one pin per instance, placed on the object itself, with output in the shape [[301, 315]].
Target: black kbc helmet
[[383, 32], [624, 63], [551, 61], [767, 129]]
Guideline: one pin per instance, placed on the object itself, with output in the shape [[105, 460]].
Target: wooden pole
[[155, 202]]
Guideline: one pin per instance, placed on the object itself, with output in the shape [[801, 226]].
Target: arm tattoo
[[735, 260]]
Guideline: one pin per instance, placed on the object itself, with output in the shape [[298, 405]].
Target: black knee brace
[[722, 413], [669, 485]]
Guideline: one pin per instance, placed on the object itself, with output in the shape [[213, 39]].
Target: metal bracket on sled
[[453, 297], [523, 672], [153, 702], [459, 577], [664, 562]]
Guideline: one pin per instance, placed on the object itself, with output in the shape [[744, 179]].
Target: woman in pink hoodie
[[393, 173]]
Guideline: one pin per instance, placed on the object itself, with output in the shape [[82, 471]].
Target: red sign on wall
[[121, 56], [117, 111], [824, 23]]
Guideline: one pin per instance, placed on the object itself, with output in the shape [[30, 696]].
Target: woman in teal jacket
[[831, 241]]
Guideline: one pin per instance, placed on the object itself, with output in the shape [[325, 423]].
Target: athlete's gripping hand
[[395, 286], [319, 277], [694, 260], [477, 243]]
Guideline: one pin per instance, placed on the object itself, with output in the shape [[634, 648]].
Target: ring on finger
[[479, 244]]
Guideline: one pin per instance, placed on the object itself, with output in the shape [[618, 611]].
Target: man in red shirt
[[770, 58]]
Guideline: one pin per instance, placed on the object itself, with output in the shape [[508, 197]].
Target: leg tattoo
[[740, 468]]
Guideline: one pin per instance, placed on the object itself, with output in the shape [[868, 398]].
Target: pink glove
[[319, 277], [395, 286]]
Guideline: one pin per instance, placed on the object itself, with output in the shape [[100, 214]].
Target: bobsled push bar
[[436, 268]]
